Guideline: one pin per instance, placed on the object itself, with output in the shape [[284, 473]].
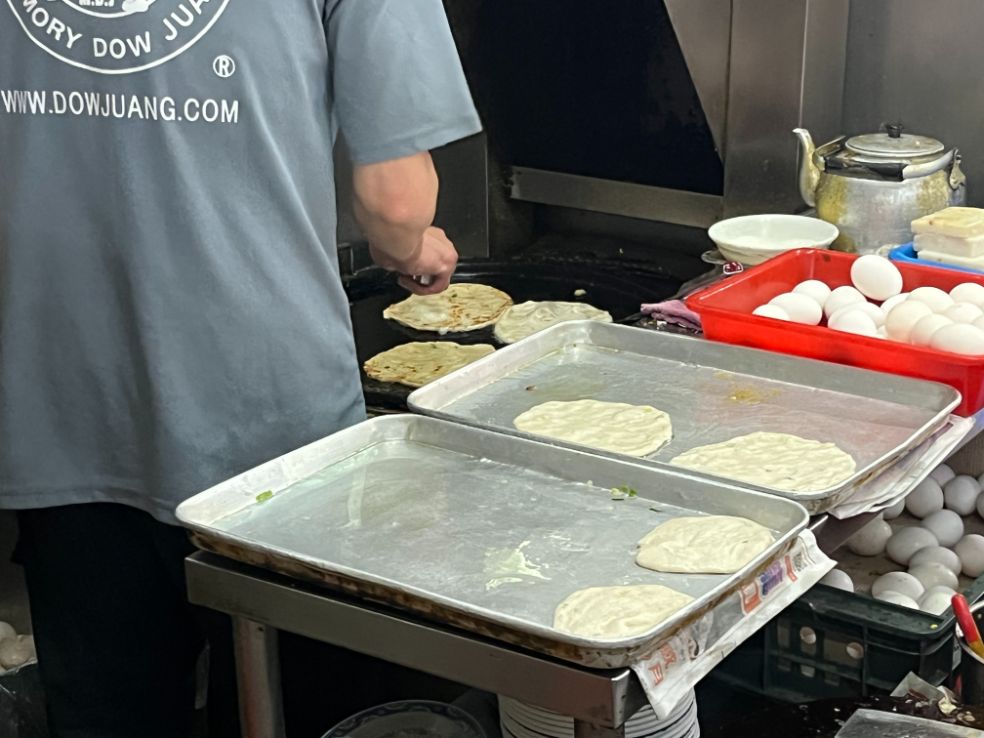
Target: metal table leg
[[254, 597], [584, 730], [258, 676]]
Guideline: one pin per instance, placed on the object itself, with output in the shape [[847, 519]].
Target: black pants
[[118, 643]]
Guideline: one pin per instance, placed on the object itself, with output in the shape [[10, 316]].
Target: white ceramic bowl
[[751, 239]]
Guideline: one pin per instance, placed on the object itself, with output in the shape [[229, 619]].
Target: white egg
[[848, 320], [898, 581], [963, 312], [935, 298], [942, 474], [815, 289], [959, 338], [868, 308], [925, 499], [841, 297], [970, 549], [936, 603], [800, 308], [934, 575], [7, 631], [979, 323], [980, 506], [946, 525], [903, 319], [937, 555], [28, 641], [838, 580], [895, 598], [960, 494], [926, 327], [871, 539], [904, 543], [890, 513], [771, 311], [876, 277], [14, 653], [968, 292], [886, 307]]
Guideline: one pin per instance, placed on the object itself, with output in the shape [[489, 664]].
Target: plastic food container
[[726, 314], [906, 254]]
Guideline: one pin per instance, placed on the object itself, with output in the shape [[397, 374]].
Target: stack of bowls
[[752, 239], [519, 720]]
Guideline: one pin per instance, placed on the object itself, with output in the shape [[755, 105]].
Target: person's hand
[[432, 264]]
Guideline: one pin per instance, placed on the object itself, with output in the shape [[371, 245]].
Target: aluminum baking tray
[[480, 530], [712, 392]]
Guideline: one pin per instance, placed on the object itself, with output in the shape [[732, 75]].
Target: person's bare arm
[[395, 203]]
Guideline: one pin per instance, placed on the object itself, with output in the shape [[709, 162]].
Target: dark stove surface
[[617, 289]]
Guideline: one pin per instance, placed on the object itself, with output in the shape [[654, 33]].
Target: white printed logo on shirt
[[116, 36]]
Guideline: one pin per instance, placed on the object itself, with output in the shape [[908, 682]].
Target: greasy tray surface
[[712, 392], [490, 525]]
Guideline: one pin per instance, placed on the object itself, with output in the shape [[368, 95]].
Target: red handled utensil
[[967, 624]]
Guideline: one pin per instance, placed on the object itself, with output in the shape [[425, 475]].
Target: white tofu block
[[956, 222], [942, 244], [970, 262]]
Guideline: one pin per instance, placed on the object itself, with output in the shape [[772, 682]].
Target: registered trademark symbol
[[224, 66]]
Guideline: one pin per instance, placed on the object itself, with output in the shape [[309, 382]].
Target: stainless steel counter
[[262, 604]]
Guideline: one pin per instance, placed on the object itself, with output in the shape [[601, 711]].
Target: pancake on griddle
[[459, 309], [415, 364]]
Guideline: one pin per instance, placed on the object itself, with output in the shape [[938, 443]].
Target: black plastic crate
[[22, 712], [832, 643]]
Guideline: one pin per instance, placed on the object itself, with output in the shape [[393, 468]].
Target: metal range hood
[[758, 68]]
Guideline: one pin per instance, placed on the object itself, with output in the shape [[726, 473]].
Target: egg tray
[[726, 315], [864, 570], [832, 643]]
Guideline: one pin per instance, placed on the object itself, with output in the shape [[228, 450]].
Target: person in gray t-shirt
[[170, 307]]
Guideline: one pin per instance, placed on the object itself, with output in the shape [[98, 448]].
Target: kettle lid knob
[[894, 130]]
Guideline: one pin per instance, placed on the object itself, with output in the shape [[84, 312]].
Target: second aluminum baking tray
[[712, 392], [475, 529]]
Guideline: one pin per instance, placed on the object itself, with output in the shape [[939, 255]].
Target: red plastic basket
[[726, 314]]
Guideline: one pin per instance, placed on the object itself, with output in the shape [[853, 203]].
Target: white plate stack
[[519, 720]]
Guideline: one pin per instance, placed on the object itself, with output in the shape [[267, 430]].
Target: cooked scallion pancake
[[460, 308], [527, 318], [416, 364]]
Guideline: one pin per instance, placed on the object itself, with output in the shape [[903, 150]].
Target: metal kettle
[[873, 186]]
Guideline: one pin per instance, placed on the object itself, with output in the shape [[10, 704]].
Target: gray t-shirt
[[170, 307]]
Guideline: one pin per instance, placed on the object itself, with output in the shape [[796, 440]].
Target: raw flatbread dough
[[460, 308], [528, 318], [713, 544], [634, 430], [775, 460], [416, 364], [615, 613]]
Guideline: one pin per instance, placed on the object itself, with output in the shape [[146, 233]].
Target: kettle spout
[[809, 174]]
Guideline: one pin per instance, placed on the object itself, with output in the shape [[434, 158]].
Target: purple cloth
[[674, 312]]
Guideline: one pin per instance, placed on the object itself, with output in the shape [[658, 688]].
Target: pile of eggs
[[15, 650], [875, 306], [935, 552]]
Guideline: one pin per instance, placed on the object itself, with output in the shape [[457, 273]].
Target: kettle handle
[[957, 178]]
